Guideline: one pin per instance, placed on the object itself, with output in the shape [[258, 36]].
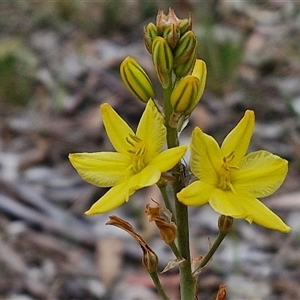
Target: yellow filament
[[138, 150], [224, 182]]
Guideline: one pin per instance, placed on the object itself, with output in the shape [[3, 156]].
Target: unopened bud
[[200, 72], [150, 33], [136, 80], [225, 223], [186, 68], [171, 34], [163, 60], [185, 25], [184, 95], [184, 48]]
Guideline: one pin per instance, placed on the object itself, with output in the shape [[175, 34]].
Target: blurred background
[[59, 60]]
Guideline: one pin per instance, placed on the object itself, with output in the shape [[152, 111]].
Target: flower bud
[[136, 80], [200, 72], [225, 223], [184, 48], [184, 95], [186, 68], [171, 34], [163, 60], [150, 33], [185, 25], [187, 93]]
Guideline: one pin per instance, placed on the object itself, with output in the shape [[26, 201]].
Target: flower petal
[[115, 197], [116, 128], [167, 159], [261, 173], [263, 216], [206, 156], [197, 193], [151, 130], [238, 139], [227, 203], [148, 176], [102, 169]]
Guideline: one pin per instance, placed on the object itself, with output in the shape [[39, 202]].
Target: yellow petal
[[197, 193], [102, 169], [206, 156], [263, 216], [115, 197], [260, 173], [167, 159], [226, 203], [148, 176], [116, 128], [239, 138], [152, 130]]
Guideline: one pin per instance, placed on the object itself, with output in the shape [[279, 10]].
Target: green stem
[[158, 285], [175, 250], [187, 281], [204, 261], [164, 193]]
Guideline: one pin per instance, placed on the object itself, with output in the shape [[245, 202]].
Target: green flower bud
[[136, 80], [185, 25], [163, 60], [187, 93], [184, 95], [150, 33], [184, 49], [171, 34], [186, 68]]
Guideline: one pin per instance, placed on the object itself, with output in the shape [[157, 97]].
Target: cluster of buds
[[172, 44], [173, 47]]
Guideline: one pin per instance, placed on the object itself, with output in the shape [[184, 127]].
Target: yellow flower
[[137, 163], [230, 180]]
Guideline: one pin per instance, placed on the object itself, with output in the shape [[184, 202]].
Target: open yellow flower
[[137, 163], [230, 180]]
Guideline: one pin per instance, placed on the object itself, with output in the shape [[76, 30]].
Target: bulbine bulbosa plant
[[225, 176]]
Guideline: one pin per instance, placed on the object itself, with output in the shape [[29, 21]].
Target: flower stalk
[[187, 281]]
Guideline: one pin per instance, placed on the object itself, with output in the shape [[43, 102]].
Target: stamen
[[224, 182], [138, 152]]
